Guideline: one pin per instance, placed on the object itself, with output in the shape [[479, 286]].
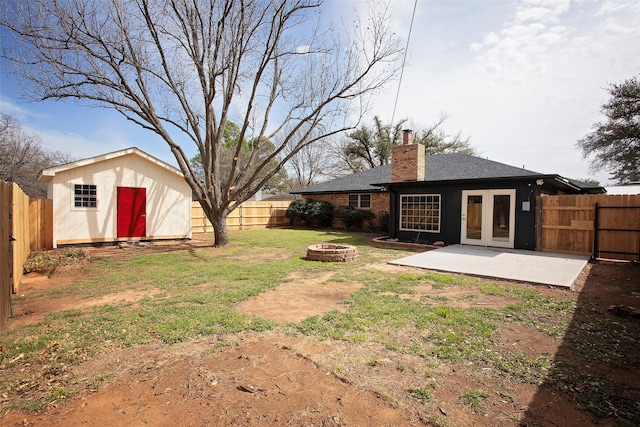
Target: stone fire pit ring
[[330, 252]]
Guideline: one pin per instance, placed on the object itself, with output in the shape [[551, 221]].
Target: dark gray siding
[[451, 204]]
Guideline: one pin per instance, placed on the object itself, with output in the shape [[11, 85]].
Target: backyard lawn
[[181, 333]]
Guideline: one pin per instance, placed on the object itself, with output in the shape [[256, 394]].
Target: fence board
[[249, 215], [5, 252], [567, 223], [20, 231], [41, 224]]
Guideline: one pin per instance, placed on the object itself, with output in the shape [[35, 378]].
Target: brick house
[[454, 198]]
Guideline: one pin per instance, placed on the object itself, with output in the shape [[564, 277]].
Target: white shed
[[127, 195]]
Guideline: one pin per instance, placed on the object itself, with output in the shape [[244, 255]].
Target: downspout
[[537, 219], [392, 215]]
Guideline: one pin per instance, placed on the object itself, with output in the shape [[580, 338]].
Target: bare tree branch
[[22, 157], [183, 68]]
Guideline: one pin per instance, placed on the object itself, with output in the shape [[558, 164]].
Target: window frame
[[430, 226], [85, 196], [359, 200]]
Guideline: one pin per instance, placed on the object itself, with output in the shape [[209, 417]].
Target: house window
[[85, 196], [362, 201], [420, 213]]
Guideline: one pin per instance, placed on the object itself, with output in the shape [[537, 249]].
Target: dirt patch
[[34, 310], [255, 381], [456, 297], [299, 298], [393, 268], [515, 338]]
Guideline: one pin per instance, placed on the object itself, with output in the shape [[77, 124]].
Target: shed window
[[360, 201], [85, 196], [420, 213]]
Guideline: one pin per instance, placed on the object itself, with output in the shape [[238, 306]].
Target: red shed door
[[132, 212]]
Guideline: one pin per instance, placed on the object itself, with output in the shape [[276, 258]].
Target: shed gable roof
[[49, 173]]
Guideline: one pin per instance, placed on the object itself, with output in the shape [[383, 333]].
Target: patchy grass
[[420, 393], [474, 398], [200, 287]]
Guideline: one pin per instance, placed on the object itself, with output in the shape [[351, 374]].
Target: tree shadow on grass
[[595, 375]]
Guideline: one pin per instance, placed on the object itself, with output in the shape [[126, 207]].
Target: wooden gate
[[617, 232]]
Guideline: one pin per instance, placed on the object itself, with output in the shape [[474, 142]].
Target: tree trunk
[[220, 233]]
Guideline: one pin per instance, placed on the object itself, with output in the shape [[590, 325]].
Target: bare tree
[[367, 148], [308, 165], [183, 68], [437, 141], [22, 157]]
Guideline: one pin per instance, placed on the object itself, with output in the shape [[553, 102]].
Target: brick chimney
[[407, 160]]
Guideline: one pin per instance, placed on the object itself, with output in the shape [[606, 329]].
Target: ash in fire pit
[[328, 252]]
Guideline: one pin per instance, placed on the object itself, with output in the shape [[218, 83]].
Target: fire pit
[[328, 252]]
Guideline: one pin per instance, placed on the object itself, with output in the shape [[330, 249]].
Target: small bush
[[297, 209], [310, 212], [352, 218], [49, 260]]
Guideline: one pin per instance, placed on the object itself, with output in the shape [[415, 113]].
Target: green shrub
[[352, 218], [310, 212], [297, 210]]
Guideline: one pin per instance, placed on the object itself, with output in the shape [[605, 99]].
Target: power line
[[404, 60]]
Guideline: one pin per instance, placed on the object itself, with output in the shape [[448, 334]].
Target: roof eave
[[465, 180], [49, 173], [553, 180], [370, 190]]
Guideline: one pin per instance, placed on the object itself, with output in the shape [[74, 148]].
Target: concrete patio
[[520, 265]]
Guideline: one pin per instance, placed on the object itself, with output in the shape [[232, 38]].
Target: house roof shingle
[[438, 167]]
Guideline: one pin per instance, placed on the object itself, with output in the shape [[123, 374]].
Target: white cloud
[[548, 11], [614, 6], [19, 112], [475, 47], [527, 90], [491, 39]]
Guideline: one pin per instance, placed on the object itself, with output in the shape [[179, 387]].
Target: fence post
[[595, 233], [538, 222]]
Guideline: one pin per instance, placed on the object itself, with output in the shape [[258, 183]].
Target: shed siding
[[168, 200]]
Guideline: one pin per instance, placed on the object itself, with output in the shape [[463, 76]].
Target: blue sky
[[523, 79]]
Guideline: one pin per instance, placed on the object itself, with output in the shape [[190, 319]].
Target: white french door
[[488, 218]]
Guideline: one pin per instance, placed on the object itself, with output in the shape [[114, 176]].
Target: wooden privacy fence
[[20, 233], [568, 224], [5, 252], [249, 215], [25, 224]]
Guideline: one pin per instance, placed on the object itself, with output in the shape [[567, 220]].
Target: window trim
[[359, 196], [439, 217], [89, 197]]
